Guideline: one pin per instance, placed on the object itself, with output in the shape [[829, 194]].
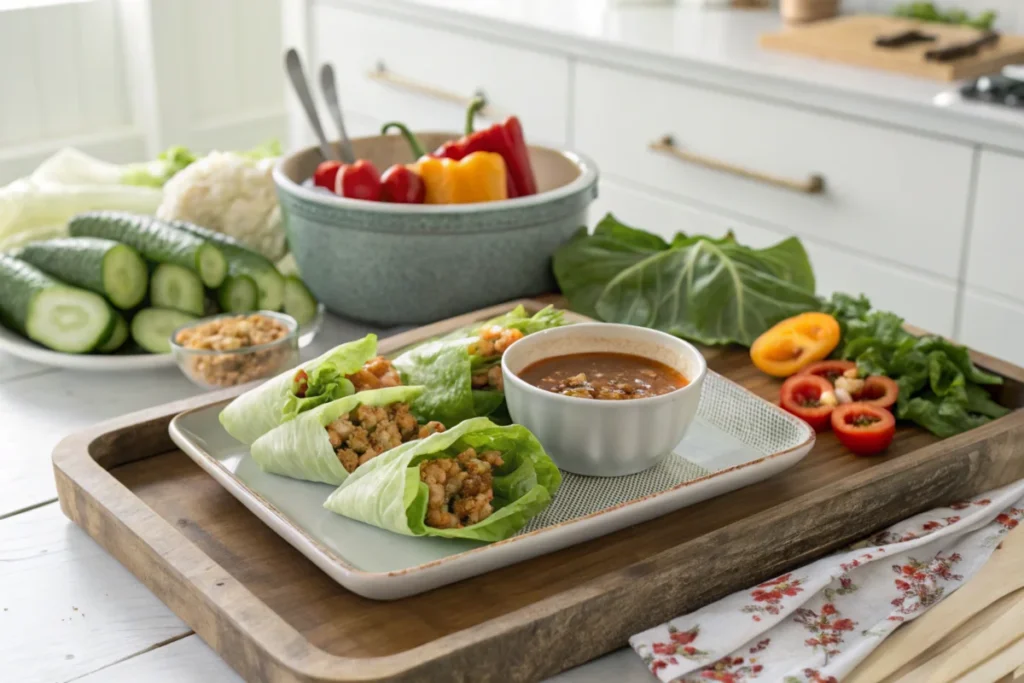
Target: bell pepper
[[475, 177], [793, 344], [504, 138]]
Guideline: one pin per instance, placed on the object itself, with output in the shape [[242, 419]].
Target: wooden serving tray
[[273, 615]]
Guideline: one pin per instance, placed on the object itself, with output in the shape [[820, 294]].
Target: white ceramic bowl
[[604, 438]]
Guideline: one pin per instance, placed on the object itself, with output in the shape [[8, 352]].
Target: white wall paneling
[[124, 79]]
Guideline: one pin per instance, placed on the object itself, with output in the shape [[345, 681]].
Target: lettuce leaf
[[259, 410], [387, 492], [300, 448], [940, 387], [445, 366]]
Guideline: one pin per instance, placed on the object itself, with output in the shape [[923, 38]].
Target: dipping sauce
[[604, 376]]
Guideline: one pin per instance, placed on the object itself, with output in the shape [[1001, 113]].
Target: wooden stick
[[1000, 576]]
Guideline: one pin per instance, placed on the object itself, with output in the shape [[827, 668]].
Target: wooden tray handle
[[815, 183], [382, 74]]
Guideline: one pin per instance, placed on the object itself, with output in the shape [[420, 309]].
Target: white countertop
[[70, 611], [717, 47]]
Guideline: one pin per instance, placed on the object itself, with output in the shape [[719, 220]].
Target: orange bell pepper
[[793, 344]]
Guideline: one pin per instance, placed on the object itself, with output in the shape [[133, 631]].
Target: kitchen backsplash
[[1011, 12]]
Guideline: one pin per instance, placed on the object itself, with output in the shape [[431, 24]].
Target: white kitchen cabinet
[[531, 84], [993, 325], [997, 233], [886, 191], [923, 300]]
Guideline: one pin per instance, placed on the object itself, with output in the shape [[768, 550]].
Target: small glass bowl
[[212, 369], [308, 331]]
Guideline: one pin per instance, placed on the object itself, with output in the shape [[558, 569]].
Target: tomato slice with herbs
[[829, 369], [863, 428], [879, 391], [801, 395]]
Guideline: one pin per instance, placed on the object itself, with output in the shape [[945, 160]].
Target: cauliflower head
[[232, 194]]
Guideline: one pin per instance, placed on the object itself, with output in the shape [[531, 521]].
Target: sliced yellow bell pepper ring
[[793, 344]]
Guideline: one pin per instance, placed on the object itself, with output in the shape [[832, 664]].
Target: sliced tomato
[[829, 369], [326, 173], [878, 390], [801, 395], [863, 428]]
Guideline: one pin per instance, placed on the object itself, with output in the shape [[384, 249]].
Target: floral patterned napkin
[[815, 624]]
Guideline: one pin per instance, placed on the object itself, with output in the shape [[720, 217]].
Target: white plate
[[16, 345], [737, 439]]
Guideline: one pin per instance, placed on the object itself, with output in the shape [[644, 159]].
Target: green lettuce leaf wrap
[[274, 402], [446, 367], [301, 449], [387, 492]]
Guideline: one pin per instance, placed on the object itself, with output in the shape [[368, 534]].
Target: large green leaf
[[714, 292], [587, 263]]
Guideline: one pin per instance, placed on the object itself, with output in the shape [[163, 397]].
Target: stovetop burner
[[996, 89]]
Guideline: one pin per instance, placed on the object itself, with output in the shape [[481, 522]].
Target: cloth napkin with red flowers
[[815, 624]]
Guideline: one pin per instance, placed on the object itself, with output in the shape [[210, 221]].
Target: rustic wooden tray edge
[[558, 632]]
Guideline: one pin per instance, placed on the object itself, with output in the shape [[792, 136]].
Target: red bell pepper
[[504, 138], [360, 180]]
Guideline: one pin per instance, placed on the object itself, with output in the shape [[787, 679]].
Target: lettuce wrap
[[301, 448], [462, 369], [274, 402], [387, 492]]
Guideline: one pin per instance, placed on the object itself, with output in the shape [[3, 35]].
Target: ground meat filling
[[460, 488], [368, 431], [377, 373], [493, 342]]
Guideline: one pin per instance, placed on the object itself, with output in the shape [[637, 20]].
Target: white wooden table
[[69, 611]]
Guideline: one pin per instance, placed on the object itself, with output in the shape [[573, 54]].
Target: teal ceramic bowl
[[406, 264]]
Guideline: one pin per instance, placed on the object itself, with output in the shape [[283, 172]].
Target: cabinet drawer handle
[[815, 184], [382, 74]]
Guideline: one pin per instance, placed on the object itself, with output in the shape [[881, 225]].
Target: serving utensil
[[1001, 576], [330, 89], [293, 66]]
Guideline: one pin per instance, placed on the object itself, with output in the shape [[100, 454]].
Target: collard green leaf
[[713, 293], [587, 263]]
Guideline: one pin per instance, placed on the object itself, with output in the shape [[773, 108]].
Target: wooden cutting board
[[851, 40], [274, 616]]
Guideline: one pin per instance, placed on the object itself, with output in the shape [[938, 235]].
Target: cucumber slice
[[51, 313], [175, 287], [298, 300], [238, 294], [118, 336], [152, 328], [106, 267], [244, 261], [156, 240]]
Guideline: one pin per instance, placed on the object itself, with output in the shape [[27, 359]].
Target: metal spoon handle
[[330, 89], [293, 65]]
